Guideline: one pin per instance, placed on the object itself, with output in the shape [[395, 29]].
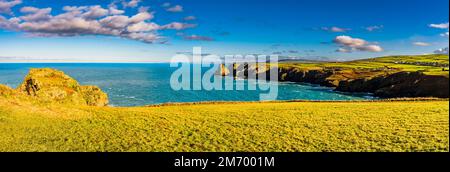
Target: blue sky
[[313, 29]]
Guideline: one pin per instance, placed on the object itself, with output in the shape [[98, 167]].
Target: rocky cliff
[[52, 86], [401, 84], [384, 83]]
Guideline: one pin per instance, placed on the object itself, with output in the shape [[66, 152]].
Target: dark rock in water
[[49, 85]]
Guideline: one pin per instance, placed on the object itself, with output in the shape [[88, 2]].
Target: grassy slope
[[296, 126], [382, 62]]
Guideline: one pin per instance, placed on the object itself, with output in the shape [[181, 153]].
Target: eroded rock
[[50, 85]]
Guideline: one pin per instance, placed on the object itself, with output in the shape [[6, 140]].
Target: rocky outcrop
[[49, 85], [382, 83], [316, 76], [94, 96], [401, 84]]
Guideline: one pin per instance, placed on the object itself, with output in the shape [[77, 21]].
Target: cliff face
[[318, 76], [49, 85], [401, 84], [386, 83]]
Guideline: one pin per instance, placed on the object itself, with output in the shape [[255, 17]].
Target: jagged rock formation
[[382, 83], [49, 85], [401, 84]]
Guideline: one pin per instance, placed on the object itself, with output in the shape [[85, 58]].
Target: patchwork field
[[428, 64], [273, 126]]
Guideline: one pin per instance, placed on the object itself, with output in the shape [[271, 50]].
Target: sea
[[139, 84]]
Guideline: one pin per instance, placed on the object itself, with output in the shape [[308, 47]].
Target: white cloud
[[166, 4], [144, 37], [442, 51], [374, 28], [85, 20], [422, 44], [4, 23], [95, 12], [115, 11], [198, 38], [6, 5], [349, 44], [142, 16], [29, 10], [132, 3], [343, 50], [439, 26], [178, 26], [35, 14], [176, 8], [144, 9], [92, 20], [189, 18], [370, 48], [335, 29], [115, 21], [143, 27], [349, 41]]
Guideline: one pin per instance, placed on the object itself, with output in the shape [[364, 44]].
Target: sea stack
[[53, 86]]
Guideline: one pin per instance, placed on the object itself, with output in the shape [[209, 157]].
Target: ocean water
[[147, 84]]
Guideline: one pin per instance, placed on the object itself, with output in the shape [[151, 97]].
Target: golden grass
[[271, 126]]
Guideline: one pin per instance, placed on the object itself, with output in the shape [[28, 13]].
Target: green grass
[[396, 63], [274, 127]]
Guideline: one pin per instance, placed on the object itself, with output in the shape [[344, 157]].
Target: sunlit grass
[[395, 63], [274, 126]]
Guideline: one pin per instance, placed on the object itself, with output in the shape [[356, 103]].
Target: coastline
[[384, 77], [42, 116], [424, 99]]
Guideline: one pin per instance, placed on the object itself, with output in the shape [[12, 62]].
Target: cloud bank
[[6, 5], [87, 20]]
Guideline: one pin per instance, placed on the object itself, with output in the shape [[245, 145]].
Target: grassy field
[[275, 127], [381, 65]]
